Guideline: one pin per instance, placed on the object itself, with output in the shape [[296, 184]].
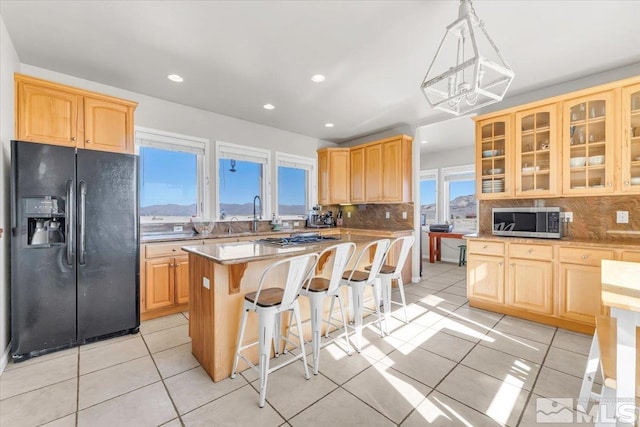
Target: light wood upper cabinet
[[46, 114], [334, 180], [537, 149], [51, 113], [357, 175], [494, 157], [108, 126], [630, 156], [373, 173], [589, 144]]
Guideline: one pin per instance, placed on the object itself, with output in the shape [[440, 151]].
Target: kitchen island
[[219, 277]]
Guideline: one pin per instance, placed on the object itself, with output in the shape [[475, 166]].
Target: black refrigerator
[[74, 247]]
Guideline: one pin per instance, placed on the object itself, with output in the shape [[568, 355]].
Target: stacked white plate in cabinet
[[493, 186]]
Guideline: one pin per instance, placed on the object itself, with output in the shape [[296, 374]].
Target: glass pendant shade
[[468, 71]]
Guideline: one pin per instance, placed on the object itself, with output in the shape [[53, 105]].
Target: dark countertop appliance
[[297, 239], [318, 219], [74, 247]]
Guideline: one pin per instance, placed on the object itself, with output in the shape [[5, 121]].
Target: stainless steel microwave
[[527, 222]]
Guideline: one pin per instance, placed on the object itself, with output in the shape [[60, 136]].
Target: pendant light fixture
[[479, 76]]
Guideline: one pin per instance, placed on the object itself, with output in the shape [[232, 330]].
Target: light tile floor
[[451, 365]]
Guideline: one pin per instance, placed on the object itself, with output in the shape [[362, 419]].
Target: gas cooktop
[[298, 239]]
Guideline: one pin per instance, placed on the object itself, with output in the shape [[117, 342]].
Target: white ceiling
[[236, 56]]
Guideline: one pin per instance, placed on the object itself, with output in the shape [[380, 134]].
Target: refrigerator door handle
[[81, 222], [71, 203]]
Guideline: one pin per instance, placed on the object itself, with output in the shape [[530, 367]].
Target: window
[[242, 175], [428, 197], [460, 196], [171, 171], [296, 184]]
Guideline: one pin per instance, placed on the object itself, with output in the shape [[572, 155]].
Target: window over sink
[[297, 185]]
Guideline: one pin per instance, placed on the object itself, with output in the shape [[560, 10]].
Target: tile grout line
[[533, 386], [447, 374], [166, 389]]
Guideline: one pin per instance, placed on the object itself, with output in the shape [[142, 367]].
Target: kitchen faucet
[[255, 216], [230, 221]]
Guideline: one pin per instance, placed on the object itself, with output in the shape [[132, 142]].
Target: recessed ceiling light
[[268, 106], [424, 142], [175, 78], [328, 125], [318, 78]]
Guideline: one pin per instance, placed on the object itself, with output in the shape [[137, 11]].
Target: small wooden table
[[624, 301], [435, 244]]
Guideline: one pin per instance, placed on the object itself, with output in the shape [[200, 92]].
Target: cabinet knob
[[609, 184], [512, 265], [73, 138], [485, 247], [88, 141], [626, 183], [530, 251], [174, 249], [585, 256], [500, 264]]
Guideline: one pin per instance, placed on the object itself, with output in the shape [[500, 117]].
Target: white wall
[[168, 116], [9, 63]]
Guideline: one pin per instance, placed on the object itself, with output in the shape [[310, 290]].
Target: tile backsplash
[[374, 216], [594, 218]]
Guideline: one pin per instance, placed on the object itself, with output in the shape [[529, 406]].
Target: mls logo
[[554, 411]]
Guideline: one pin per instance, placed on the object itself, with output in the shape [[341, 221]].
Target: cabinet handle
[[88, 141], [609, 184], [73, 138], [626, 183], [585, 256], [500, 264], [174, 249], [530, 251], [485, 247]]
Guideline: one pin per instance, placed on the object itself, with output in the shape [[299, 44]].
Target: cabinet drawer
[[526, 251], [485, 247], [584, 256], [169, 249]]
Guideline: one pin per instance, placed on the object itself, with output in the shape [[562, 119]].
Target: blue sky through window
[[167, 177]]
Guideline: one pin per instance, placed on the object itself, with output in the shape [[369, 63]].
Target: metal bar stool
[[268, 304], [462, 258], [319, 288], [356, 280], [390, 272]]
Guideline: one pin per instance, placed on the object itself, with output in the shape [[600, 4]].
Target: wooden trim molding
[[236, 271]]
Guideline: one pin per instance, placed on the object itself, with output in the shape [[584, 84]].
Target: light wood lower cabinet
[[530, 285], [530, 277], [485, 277], [579, 283], [557, 283], [164, 278], [485, 271]]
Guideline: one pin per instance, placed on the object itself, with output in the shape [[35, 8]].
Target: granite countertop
[[173, 237], [241, 252], [608, 243]]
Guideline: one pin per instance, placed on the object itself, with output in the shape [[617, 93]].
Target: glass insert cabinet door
[[536, 151], [493, 150], [631, 139], [588, 138]]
